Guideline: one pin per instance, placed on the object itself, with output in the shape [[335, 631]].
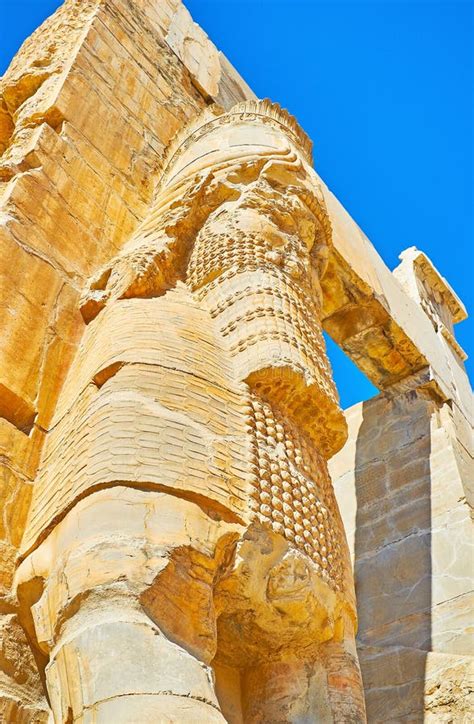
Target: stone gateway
[[184, 504]]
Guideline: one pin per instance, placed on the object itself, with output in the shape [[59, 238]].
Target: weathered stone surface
[[402, 498], [171, 545], [21, 692], [424, 686], [189, 395]]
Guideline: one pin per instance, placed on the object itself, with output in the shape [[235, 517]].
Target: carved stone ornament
[[192, 435]]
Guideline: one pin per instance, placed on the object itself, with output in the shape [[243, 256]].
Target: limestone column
[[184, 525]]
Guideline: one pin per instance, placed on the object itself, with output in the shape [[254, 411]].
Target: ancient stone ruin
[[185, 505]]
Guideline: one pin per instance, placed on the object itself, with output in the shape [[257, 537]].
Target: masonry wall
[[400, 485]]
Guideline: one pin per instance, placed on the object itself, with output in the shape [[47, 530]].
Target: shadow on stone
[[392, 553]]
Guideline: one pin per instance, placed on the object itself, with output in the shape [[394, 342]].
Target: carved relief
[[293, 494], [203, 378]]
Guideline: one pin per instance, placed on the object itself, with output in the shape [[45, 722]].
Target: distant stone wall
[[400, 483]]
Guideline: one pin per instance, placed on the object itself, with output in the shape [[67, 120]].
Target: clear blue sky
[[385, 90]]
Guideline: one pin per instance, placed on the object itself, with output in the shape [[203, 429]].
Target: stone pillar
[[404, 484], [184, 522]]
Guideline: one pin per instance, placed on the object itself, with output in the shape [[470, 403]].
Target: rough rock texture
[[167, 410]]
